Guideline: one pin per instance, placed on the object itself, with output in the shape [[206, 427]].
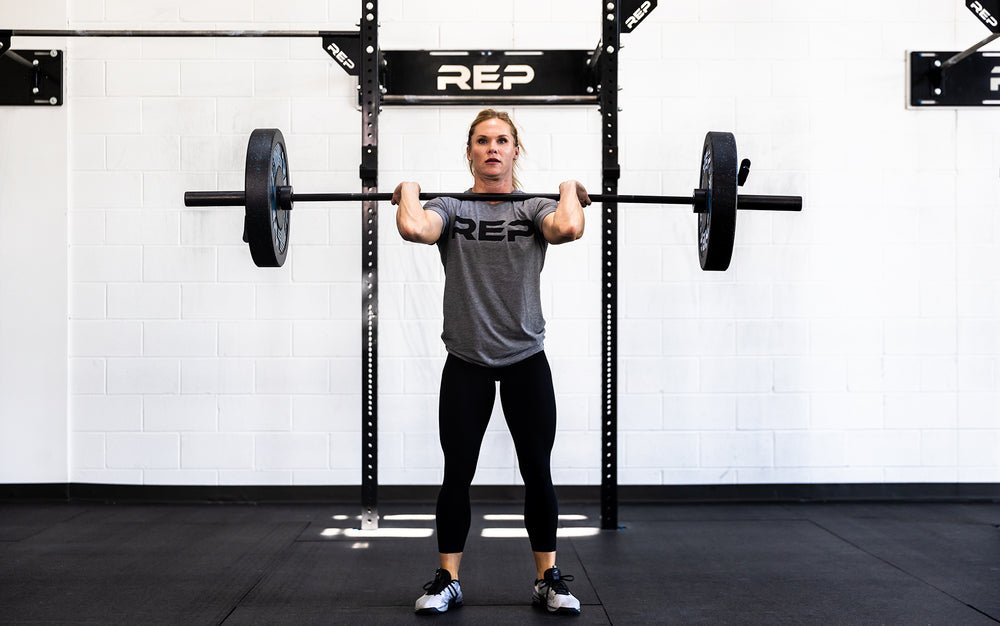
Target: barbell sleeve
[[768, 203], [215, 198]]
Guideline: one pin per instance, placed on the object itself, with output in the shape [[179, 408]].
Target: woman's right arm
[[415, 223]]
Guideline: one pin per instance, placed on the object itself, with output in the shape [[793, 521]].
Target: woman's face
[[491, 150]]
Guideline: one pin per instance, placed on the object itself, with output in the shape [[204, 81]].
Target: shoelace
[[437, 585], [559, 585]]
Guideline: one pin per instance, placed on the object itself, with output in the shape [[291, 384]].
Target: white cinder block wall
[[855, 342]]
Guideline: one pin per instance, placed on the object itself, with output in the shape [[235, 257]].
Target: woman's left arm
[[566, 224]]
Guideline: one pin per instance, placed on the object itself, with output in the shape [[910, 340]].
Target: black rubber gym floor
[[670, 564]]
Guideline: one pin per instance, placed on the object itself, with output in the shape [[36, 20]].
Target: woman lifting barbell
[[493, 253]]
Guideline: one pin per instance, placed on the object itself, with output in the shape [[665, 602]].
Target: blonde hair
[[492, 114]]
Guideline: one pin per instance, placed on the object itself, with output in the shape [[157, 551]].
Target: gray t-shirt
[[493, 256]]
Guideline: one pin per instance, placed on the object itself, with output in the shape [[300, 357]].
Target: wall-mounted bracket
[[950, 79], [30, 77]]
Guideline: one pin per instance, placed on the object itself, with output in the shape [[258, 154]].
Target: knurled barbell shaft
[[745, 202]]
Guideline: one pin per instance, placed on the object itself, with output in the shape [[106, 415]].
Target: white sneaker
[[442, 594], [552, 593]]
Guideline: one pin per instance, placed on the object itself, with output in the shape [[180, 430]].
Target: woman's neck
[[492, 186]]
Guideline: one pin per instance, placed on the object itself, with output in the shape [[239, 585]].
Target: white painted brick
[[695, 412], [254, 413], [87, 376], [979, 410], [325, 477], [179, 413], [739, 375], [324, 338], [660, 375], [809, 449], [291, 11], [105, 413], [217, 376], [778, 337], [101, 116], [105, 338], [107, 477], [216, 301], [256, 477], [660, 450], [177, 264], [577, 450], [977, 373], [665, 300], [330, 264], [920, 336], [292, 301], [143, 152], [211, 154], [210, 227], [236, 266], [810, 374], [87, 451], [179, 477], [282, 78], [312, 115], [978, 448], [85, 11], [216, 78], [242, 115], [422, 451], [883, 448], [90, 190], [334, 414], [142, 301], [143, 78], [143, 376], [85, 78], [167, 48], [141, 227], [291, 451], [939, 448], [847, 411], [735, 300], [88, 153], [218, 11], [143, 451], [840, 336], [921, 410], [773, 412], [736, 450], [256, 339], [292, 376], [345, 376], [87, 302], [188, 339], [155, 11]]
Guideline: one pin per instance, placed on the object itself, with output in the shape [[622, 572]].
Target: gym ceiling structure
[[797, 422]]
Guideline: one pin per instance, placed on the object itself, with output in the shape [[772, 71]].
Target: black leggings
[[529, 406]]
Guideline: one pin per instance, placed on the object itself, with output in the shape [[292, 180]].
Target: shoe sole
[[564, 610], [433, 611]]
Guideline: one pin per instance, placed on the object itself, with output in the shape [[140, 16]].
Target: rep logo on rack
[[483, 77], [986, 11]]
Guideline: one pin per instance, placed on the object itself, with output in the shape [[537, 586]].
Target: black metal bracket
[[488, 77], [345, 49], [950, 79], [30, 77]]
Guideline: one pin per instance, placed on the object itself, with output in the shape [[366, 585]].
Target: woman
[[493, 253]]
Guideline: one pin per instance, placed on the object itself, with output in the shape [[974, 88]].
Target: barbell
[[268, 199]]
